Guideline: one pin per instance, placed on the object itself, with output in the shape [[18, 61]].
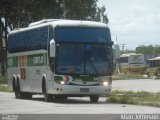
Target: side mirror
[[52, 48], [111, 43], [117, 51]]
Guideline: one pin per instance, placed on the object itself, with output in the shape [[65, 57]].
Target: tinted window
[[35, 39], [82, 59], [123, 60], [82, 34]]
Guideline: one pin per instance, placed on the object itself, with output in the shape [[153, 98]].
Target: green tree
[[85, 10], [150, 49], [22, 12], [19, 13], [129, 51]]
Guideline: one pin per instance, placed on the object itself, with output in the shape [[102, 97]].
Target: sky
[[133, 22]]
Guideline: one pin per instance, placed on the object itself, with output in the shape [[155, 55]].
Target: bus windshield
[[154, 63], [123, 60], [83, 50], [82, 59]]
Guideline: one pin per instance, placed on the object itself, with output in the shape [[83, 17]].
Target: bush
[[3, 80], [4, 88], [128, 77], [138, 98], [121, 99]]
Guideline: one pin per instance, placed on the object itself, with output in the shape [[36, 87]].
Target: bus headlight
[[62, 82], [105, 83]]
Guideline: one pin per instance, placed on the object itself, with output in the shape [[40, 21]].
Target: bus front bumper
[[82, 90]]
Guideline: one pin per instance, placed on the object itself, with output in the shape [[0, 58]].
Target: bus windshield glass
[[123, 60], [82, 59], [154, 63], [82, 51]]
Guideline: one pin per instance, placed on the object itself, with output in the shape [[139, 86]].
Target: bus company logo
[[84, 82], [38, 60]]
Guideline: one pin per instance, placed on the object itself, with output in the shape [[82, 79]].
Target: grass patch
[[135, 98], [128, 77], [4, 88], [157, 78]]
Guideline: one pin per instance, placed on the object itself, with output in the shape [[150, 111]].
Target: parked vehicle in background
[[60, 59], [153, 67], [131, 63]]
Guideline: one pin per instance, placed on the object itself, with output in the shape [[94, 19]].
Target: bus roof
[[60, 22], [130, 54], [156, 58]]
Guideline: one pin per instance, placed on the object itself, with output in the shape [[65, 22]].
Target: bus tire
[[47, 97], [14, 84], [94, 98], [19, 94]]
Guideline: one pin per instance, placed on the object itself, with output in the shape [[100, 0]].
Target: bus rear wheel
[[94, 98], [19, 94]]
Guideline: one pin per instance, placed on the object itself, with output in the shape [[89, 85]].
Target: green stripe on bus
[[12, 62], [36, 60], [32, 60]]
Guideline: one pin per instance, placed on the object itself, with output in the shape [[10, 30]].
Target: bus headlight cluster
[[62, 82], [105, 83]]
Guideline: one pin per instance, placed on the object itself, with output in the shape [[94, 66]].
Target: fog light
[[105, 83]]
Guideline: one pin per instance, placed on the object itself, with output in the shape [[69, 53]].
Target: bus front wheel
[[47, 97], [94, 98]]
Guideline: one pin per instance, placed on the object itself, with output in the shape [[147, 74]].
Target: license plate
[[84, 89]]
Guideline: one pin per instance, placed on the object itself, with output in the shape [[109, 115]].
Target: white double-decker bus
[[60, 59]]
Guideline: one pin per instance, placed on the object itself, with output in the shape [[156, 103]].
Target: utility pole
[[64, 9], [116, 38], [6, 4], [123, 45]]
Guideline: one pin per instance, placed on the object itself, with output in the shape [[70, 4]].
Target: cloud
[[134, 20]]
